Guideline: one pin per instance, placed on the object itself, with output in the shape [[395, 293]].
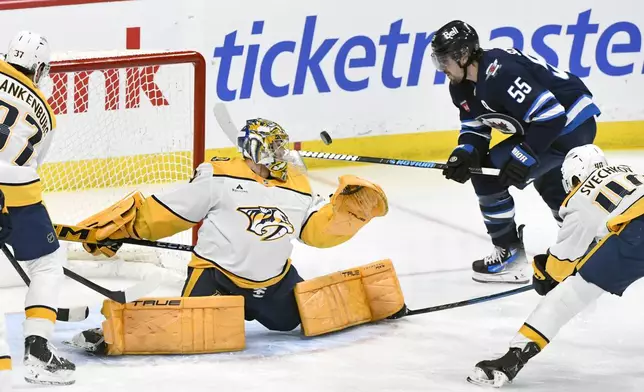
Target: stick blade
[[226, 122]]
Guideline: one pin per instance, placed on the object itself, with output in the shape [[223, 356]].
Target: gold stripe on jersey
[[20, 195], [590, 254], [41, 312], [155, 220], [315, 231], [5, 362], [634, 211], [533, 334], [200, 262], [192, 281], [37, 101], [570, 195], [238, 168]]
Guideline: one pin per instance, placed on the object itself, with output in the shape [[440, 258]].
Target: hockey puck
[[326, 138]]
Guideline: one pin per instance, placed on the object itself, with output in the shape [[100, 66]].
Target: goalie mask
[[266, 143]]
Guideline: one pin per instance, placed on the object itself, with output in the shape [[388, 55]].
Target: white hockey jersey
[[248, 222], [610, 197], [25, 135]]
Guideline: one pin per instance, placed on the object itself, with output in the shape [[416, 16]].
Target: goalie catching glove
[[353, 205], [114, 223]]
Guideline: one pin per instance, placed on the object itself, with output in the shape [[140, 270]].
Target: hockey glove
[[356, 202], [516, 171], [542, 281], [463, 157], [5, 221]]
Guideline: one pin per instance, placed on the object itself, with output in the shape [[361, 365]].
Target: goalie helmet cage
[[126, 121]]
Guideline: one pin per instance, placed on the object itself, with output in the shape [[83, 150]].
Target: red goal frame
[[152, 59]]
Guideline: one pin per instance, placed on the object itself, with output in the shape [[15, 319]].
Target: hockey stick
[[87, 235], [467, 302], [82, 234], [79, 313], [228, 126], [391, 161]]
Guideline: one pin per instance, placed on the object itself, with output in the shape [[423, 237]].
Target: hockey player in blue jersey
[[546, 112]]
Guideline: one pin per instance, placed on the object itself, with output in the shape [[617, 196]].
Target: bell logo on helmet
[[449, 34]]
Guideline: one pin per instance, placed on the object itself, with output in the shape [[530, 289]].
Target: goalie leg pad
[[175, 325], [383, 290], [356, 296], [332, 302]]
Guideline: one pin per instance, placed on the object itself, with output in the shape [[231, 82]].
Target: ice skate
[[504, 265], [43, 366]]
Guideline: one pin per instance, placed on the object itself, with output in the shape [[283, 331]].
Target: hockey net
[[125, 121]]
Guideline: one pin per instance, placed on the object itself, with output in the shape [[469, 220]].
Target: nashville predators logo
[[269, 223]]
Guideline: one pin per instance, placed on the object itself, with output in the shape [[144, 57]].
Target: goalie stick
[[88, 235], [228, 126], [75, 314], [81, 234]]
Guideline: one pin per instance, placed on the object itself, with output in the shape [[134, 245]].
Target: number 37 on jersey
[[25, 119]]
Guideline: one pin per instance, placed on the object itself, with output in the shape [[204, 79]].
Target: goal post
[[126, 121]]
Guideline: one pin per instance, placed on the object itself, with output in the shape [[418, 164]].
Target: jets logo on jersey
[[492, 69], [501, 122], [269, 223]]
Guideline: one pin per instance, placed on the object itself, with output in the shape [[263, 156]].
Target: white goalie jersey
[[25, 135], [609, 196], [247, 222]]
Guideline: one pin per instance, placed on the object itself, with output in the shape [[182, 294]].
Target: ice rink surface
[[432, 234]]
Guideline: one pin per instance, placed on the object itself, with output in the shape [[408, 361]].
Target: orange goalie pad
[[383, 290], [351, 297], [175, 325], [332, 302]]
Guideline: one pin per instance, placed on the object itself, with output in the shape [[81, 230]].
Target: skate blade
[[40, 376], [480, 378], [506, 278], [78, 346], [50, 382]]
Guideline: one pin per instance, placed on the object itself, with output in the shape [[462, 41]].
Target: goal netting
[[125, 121]]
